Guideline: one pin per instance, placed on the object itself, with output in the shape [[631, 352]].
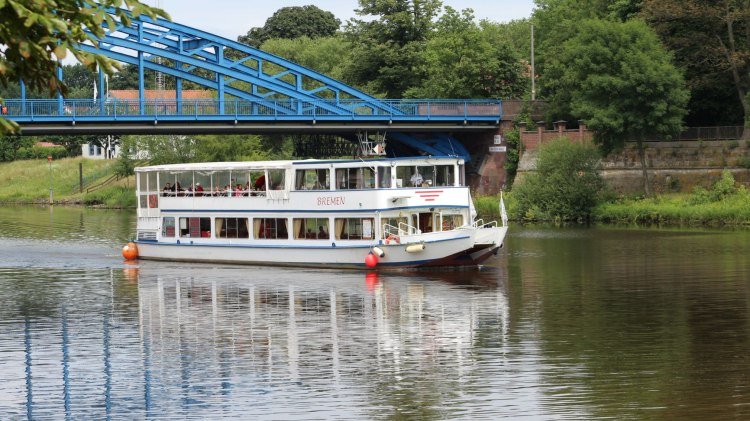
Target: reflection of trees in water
[[406, 345], [635, 319]]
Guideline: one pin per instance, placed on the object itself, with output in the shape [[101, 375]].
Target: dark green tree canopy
[[294, 22], [619, 79], [462, 60], [711, 41], [387, 46]]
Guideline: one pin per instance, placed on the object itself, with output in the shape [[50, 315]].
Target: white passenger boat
[[403, 212]]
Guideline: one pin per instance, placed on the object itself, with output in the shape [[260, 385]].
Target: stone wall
[[672, 166], [677, 166]]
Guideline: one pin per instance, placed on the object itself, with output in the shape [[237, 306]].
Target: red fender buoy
[[130, 251], [371, 260]]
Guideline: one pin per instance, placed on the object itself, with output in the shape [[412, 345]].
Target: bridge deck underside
[[230, 126]]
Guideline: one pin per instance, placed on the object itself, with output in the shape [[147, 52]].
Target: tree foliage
[[388, 44], [621, 81], [326, 55], [711, 41], [565, 186], [461, 60], [294, 22], [36, 35]]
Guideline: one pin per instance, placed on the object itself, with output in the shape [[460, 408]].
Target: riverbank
[[669, 209], [28, 182]]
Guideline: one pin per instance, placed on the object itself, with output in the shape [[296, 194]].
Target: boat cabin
[[302, 200]]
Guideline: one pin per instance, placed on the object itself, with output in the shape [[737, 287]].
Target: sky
[[230, 18]]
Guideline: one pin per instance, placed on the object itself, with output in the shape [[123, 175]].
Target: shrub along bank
[[724, 204]]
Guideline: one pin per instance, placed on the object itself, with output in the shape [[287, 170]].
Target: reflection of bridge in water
[[188, 345]]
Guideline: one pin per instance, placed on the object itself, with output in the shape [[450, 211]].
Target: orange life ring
[[153, 201], [393, 238]]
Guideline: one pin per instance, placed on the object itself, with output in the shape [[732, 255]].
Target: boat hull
[[466, 247]]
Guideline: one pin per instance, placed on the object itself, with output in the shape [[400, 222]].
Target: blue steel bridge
[[255, 92]]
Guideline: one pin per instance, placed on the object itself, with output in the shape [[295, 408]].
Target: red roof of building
[[46, 145], [132, 94]]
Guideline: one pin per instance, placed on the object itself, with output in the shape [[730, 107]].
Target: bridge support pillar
[[486, 172], [60, 109], [102, 93], [23, 96]]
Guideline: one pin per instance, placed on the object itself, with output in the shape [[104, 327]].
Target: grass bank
[[28, 181], [677, 209], [732, 210]]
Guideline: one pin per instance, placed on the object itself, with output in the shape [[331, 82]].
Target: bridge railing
[[86, 109]]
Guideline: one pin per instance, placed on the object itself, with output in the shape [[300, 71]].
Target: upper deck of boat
[[308, 163]]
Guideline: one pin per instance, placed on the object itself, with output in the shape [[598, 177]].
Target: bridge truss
[[255, 92]]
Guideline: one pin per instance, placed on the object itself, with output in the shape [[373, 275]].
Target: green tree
[[621, 81], [37, 35], [294, 22], [327, 55], [565, 185], [711, 41], [162, 149], [463, 61], [388, 44], [220, 148], [10, 145]]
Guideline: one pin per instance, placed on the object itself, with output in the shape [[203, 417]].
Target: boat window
[[354, 228], [152, 182], [168, 184], [461, 175], [384, 177], [221, 181], [402, 176], [428, 175], [270, 228], [231, 228], [257, 183], [311, 229], [276, 179], [444, 175], [413, 176], [184, 180], [167, 227], [355, 178], [451, 222], [395, 226], [312, 179], [143, 181], [195, 227]]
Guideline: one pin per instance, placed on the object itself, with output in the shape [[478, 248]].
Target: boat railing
[[479, 223], [408, 228], [207, 193], [389, 230]]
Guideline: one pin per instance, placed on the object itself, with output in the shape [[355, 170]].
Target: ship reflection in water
[[209, 342]]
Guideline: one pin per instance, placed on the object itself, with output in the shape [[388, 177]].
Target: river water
[[566, 323]]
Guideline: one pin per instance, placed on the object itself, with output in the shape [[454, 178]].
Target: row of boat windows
[[299, 228], [219, 182]]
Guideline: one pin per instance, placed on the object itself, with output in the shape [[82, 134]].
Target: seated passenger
[[416, 179], [198, 189], [322, 234], [168, 189]]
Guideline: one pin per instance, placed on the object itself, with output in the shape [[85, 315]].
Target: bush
[[565, 186], [37, 152], [722, 189]]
